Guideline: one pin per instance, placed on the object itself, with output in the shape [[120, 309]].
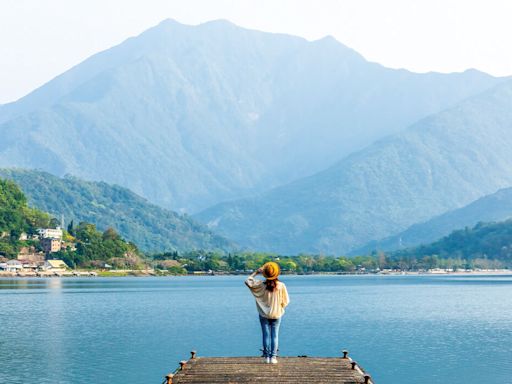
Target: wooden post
[[353, 364], [367, 379], [183, 363], [345, 354], [193, 355], [169, 378]]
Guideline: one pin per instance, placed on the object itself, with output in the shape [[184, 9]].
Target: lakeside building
[[11, 266], [51, 244], [27, 266], [50, 233], [55, 265]]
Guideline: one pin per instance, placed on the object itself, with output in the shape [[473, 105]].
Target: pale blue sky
[[41, 38]]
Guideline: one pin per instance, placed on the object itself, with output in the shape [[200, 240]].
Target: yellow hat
[[271, 270]]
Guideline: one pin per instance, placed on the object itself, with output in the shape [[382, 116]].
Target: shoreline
[[151, 273]]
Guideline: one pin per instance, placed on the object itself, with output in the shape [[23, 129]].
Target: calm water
[[402, 329]]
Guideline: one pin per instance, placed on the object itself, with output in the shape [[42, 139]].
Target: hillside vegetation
[[16, 217], [91, 248], [491, 208], [152, 228], [488, 244]]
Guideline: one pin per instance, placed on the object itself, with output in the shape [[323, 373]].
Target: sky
[[39, 39]]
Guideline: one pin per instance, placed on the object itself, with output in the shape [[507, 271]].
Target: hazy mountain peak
[[473, 71], [220, 23], [169, 22], [189, 116], [330, 41]]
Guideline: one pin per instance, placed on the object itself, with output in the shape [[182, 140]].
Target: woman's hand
[[259, 270]]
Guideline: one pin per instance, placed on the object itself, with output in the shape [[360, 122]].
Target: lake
[[401, 329]]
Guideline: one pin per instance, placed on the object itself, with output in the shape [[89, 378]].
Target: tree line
[[485, 246], [90, 248], [203, 261]]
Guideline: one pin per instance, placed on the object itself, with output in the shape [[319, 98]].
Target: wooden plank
[[248, 370]]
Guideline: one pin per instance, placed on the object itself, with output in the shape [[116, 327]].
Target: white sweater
[[270, 304]]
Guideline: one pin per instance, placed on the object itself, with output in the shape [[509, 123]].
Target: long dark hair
[[271, 285]]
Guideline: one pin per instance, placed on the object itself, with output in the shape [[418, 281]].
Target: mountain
[[150, 227], [489, 241], [490, 208], [441, 163], [188, 116]]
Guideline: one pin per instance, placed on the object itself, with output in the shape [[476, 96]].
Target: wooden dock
[[248, 370]]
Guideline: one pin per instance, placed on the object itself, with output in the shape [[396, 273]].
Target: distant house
[[50, 233], [23, 236], [30, 266], [12, 266], [55, 265], [51, 244]]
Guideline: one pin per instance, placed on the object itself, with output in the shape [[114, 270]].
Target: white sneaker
[[273, 360], [267, 360]]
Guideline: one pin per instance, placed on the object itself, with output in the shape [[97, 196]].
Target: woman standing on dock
[[271, 299]]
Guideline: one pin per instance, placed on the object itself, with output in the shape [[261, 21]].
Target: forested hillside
[[16, 217], [150, 227], [84, 245], [491, 208], [487, 241]]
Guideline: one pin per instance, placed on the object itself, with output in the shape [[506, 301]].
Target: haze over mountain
[[442, 162], [189, 116], [490, 208], [152, 228]]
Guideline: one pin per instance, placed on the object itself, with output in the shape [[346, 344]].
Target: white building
[[55, 265], [12, 266], [50, 233]]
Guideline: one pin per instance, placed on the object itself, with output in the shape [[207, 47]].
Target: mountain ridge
[[191, 116], [152, 228], [440, 163], [490, 208]]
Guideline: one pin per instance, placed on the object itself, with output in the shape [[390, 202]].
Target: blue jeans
[[270, 331]]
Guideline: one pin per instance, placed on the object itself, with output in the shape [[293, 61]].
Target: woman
[[271, 299]]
